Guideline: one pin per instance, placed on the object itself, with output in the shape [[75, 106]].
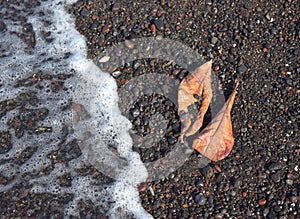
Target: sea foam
[[93, 89]]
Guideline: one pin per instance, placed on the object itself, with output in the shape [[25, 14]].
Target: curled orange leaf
[[197, 83], [216, 140]]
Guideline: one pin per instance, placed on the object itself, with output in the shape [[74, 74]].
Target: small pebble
[[276, 177], [159, 24], [214, 40], [200, 199], [262, 202], [289, 182], [104, 59], [116, 73], [116, 7], [241, 69], [129, 44], [106, 28], [274, 166], [217, 68], [153, 29], [84, 12], [294, 199], [265, 212], [143, 186]]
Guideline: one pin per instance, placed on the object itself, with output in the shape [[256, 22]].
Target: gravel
[[257, 42]]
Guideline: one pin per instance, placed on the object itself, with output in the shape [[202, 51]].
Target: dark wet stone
[[199, 183], [277, 208], [116, 7], [171, 140], [94, 25], [230, 59], [84, 12], [274, 166], [233, 50], [256, 139], [66, 152], [207, 172], [237, 182], [276, 177], [159, 23], [200, 199], [241, 69]]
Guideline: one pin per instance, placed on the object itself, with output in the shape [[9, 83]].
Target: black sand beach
[[256, 41]]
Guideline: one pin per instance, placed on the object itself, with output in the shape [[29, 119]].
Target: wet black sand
[[255, 41]]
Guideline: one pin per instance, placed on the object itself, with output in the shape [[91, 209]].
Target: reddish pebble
[[153, 29], [218, 168], [262, 202], [160, 13], [175, 72], [143, 186], [217, 68], [106, 28]]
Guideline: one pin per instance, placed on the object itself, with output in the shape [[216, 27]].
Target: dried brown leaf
[[216, 140], [198, 83]]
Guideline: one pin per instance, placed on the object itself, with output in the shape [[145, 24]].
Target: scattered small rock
[[84, 12], [262, 202], [200, 199], [104, 59], [214, 40], [289, 182], [274, 166], [116, 7], [106, 28], [159, 24], [143, 186], [129, 44], [276, 177], [116, 73], [153, 29], [241, 69], [294, 199]]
